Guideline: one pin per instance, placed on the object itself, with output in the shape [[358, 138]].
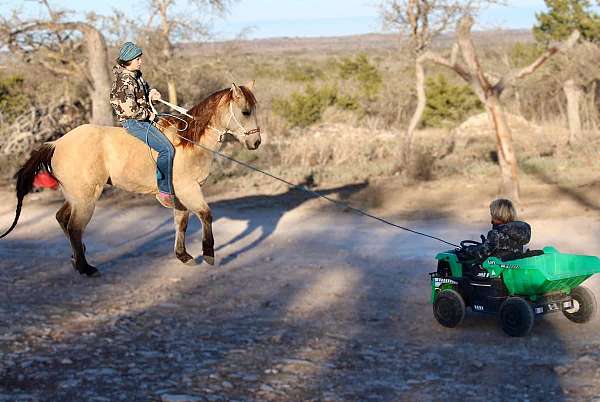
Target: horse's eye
[[246, 112]]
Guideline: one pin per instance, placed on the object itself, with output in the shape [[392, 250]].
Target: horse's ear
[[237, 92], [250, 85]]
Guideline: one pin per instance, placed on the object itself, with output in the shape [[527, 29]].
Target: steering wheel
[[465, 243]]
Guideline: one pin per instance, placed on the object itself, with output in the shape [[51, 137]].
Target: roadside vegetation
[[340, 115]]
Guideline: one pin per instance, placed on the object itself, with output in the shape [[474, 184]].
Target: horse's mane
[[203, 112]]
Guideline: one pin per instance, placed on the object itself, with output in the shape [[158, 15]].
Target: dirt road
[[306, 302]]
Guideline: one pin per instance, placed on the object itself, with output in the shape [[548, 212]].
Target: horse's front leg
[[208, 242], [181, 222]]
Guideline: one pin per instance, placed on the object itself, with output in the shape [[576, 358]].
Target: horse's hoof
[[210, 260], [185, 258], [92, 272], [89, 271]]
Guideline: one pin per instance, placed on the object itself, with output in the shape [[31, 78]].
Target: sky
[[297, 18]]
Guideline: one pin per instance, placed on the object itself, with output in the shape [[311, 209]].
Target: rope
[[303, 188]]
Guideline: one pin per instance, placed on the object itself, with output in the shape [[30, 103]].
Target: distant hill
[[347, 44]]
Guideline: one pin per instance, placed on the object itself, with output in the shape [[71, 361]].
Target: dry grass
[[347, 147]]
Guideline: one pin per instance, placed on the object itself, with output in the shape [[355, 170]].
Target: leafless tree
[[57, 44], [165, 27], [576, 78], [570, 79], [422, 21], [489, 93]]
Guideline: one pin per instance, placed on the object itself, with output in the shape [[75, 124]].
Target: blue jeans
[[152, 136]]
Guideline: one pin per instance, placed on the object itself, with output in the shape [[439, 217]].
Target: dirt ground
[[307, 302]]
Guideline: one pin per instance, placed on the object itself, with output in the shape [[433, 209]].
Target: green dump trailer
[[517, 291]]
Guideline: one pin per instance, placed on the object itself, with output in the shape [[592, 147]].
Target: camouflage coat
[[129, 95], [503, 240]]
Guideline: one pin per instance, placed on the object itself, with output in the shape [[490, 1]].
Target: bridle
[[226, 130], [223, 132]]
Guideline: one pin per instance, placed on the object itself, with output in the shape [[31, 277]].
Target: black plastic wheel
[[516, 316], [449, 308], [585, 306]]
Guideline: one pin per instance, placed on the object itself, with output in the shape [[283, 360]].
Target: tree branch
[[469, 54], [515, 75], [452, 63]]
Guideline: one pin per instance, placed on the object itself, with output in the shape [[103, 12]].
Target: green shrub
[[366, 74], [302, 73], [304, 109], [13, 101], [448, 104], [348, 102]]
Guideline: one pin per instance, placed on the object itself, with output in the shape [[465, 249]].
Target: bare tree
[[489, 93], [171, 27], [566, 88], [574, 93], [556, 23], [422, 21], [56, 43]]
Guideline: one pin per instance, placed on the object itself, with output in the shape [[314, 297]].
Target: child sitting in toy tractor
[[505, 240]]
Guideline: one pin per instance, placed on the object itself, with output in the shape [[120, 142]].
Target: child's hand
[[154, 94]]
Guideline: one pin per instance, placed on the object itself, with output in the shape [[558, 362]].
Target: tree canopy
[[565, 16]]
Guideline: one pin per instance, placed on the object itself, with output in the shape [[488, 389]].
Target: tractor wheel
[[585, 305], [449, 308], [516, 316]]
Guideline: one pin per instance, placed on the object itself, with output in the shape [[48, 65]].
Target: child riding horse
[[129, 97]]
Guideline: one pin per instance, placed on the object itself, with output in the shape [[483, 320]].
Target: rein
[[222, 133], [292, 185]]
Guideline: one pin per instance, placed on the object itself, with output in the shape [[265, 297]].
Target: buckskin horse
[[90, 156]]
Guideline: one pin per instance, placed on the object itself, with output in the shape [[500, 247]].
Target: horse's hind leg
[[80, 215], [181, 223], [62, 216]]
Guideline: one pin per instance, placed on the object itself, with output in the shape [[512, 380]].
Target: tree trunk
[[507, 160], [99, 74], [418, 114], [573, 93], [490, 97]]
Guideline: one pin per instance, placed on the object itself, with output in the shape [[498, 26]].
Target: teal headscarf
[[129, 51]]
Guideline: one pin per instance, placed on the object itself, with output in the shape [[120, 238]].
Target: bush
[[448, 104], [304, 109], [421, 164], [365, 73], [13, 102], [302, 73]]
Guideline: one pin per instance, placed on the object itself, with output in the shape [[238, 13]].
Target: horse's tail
[[40, 158]]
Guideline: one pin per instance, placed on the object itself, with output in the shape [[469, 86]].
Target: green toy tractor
[[518, 290]]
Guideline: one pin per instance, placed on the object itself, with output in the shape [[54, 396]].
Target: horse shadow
[[275, 207]]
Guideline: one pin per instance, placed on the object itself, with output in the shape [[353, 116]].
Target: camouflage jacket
[[129, 95], [502, 240]]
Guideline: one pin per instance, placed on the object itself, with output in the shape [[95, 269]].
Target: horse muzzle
[[252, 139]]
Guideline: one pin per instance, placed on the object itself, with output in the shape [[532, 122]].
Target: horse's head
[[239, 118], [228, 113]]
